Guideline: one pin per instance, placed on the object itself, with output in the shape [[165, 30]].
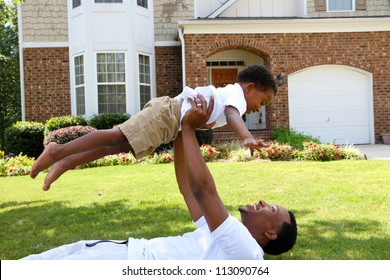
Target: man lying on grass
[[263, 227]]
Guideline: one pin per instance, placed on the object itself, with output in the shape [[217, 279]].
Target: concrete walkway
[[377, 151]]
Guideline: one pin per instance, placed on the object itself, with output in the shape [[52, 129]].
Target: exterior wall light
[[279, 77]]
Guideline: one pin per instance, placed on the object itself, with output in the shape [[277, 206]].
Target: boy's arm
[[199, 177], [237, 124]]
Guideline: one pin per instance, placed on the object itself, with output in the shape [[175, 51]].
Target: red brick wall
[[227, 136], [288, 53], [169, 77], [46, 83]]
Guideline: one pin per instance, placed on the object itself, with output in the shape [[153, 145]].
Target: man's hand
[[253, 144], [199, 113]]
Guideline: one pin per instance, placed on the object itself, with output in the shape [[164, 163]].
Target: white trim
[[183, 56], [45, 45], [21, 64], [196, 8], [274, 26], [221, 9], [167, 44]]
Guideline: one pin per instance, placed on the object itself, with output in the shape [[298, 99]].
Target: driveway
[[377, 151]]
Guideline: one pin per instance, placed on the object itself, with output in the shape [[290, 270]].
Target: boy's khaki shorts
[[156, 124]]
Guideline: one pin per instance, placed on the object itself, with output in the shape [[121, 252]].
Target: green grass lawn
[[342, 207]]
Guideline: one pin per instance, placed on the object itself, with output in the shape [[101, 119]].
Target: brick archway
[[252, 46], [196, 59], [292, 68]]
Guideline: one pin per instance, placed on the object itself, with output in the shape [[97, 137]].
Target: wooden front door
[[222, 77]]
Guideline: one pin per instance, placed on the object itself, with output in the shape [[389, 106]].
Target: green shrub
[[351, 152], [240, 155], [67, 134], [204, 136], [293, 138], [108, 120], [55, 123], [25, 138], [225, 149]]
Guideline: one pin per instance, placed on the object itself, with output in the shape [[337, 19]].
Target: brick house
[[331, 59]]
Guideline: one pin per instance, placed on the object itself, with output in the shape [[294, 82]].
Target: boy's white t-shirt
[[230, 241], [230, 95]]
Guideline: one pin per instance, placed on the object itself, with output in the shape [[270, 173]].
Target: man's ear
[[271, 234]]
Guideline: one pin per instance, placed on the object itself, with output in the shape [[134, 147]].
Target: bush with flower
[[21, 165], [15, 165], [67, 134], [321, 152], [111, 160], [160, 157], [209, 153], [277, 151]]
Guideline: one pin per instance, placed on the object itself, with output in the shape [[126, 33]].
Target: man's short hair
[[287, 236]]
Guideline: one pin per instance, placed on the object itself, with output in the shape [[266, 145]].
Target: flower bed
[[21, 164]]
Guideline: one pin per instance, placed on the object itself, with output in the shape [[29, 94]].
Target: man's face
[[262, 217]]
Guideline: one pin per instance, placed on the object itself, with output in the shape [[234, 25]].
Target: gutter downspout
[[183, 54], [21, 65]]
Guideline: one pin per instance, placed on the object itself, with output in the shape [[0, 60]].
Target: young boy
[[159, 122]]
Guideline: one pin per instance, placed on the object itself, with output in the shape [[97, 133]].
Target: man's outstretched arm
[[182, 179], [199, 177]]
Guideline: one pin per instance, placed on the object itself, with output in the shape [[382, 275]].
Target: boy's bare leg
[[55, 152], [70, 162]]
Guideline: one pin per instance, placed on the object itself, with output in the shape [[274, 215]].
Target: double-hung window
[[111, 82], [142, 3], [340, 5], [144, 79], [79, 84]]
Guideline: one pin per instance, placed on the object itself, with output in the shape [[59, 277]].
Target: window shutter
[[320, 5], [360, 5]]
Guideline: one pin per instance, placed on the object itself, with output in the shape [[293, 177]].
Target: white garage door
[[333, 103]]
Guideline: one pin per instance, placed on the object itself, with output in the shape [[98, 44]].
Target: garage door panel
[[332, 103]]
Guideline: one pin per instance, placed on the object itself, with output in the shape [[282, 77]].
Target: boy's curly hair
[[259, 75]]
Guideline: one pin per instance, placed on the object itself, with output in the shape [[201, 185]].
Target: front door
[[222, 77]]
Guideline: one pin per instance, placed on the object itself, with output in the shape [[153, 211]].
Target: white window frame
[[335, 11], [111, 76], [79, 84], [144, 79]]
